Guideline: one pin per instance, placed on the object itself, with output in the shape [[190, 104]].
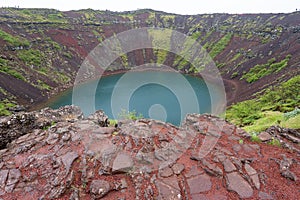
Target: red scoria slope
[[204, 158]]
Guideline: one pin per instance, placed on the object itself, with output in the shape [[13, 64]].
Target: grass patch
[[269, 118], [14, 41], [4, 106], [277, 106], [259, 71], [274, 142], [43, 86], [132, 115], [4, 68], [234, 74], [31, 57], [161, 43], [113, 122], [220, 45], [292, 123], [254, 137]]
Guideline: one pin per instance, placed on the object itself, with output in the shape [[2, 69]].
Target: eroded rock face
[[20, 124], [76, 158]]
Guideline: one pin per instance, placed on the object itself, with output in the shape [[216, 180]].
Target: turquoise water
[[166, 96]]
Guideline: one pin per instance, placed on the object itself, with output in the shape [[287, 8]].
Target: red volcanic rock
[[144, 159]]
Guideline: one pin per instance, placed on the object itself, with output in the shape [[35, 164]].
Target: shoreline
[[229, 85]]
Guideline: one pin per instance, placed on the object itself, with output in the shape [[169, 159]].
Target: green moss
[[268, 109], [168, 20], [43, 86], [4, 107], [292, 122], [124, 60], [61, 78], [259, 71], [244, 113], [254, 137], [161, 43], [113, 122], [14, 41], [54, 44], [274, 142], [220, 45], [234, 74], [4, 92], [236, 56], [220, 65], [196, 35], [133, 115], [4, 68], [269, 118], [67, 54], [13, 73], [31, 57]]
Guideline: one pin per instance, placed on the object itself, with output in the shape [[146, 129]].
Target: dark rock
[[236, 183], [52, 138], [200, 183], [168, 188], [99, 118], [108, 154], [104, 130], [288, 174], [178, 168], [212, 169], [193, 172], [13, 178], [99, 188], [228, 129], [218, 197], [233, 137], [219, 157], [64, 114], [15, 126], [166, 172], [199, 197], [68, 159], [236, 147], [228, 166], [264, 136], [264, 196], [250, 171], [242, 133], [122, 164], [74, 195], [17, 108], [3, 176], [253, 175]]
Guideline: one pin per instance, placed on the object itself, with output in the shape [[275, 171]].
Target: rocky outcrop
[[15, 126], [74, 158]]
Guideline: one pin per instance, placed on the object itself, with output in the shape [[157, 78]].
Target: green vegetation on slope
[[161, 43], [37, 15], [4, 68], [14, 41], [132, 115], [259, 71], [4, 107], [31, 57], [270, 108], [220, 45]]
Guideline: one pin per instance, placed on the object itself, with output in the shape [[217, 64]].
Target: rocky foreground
[[58, 154]]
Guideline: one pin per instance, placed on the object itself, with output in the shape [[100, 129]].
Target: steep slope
[[42, 49]]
